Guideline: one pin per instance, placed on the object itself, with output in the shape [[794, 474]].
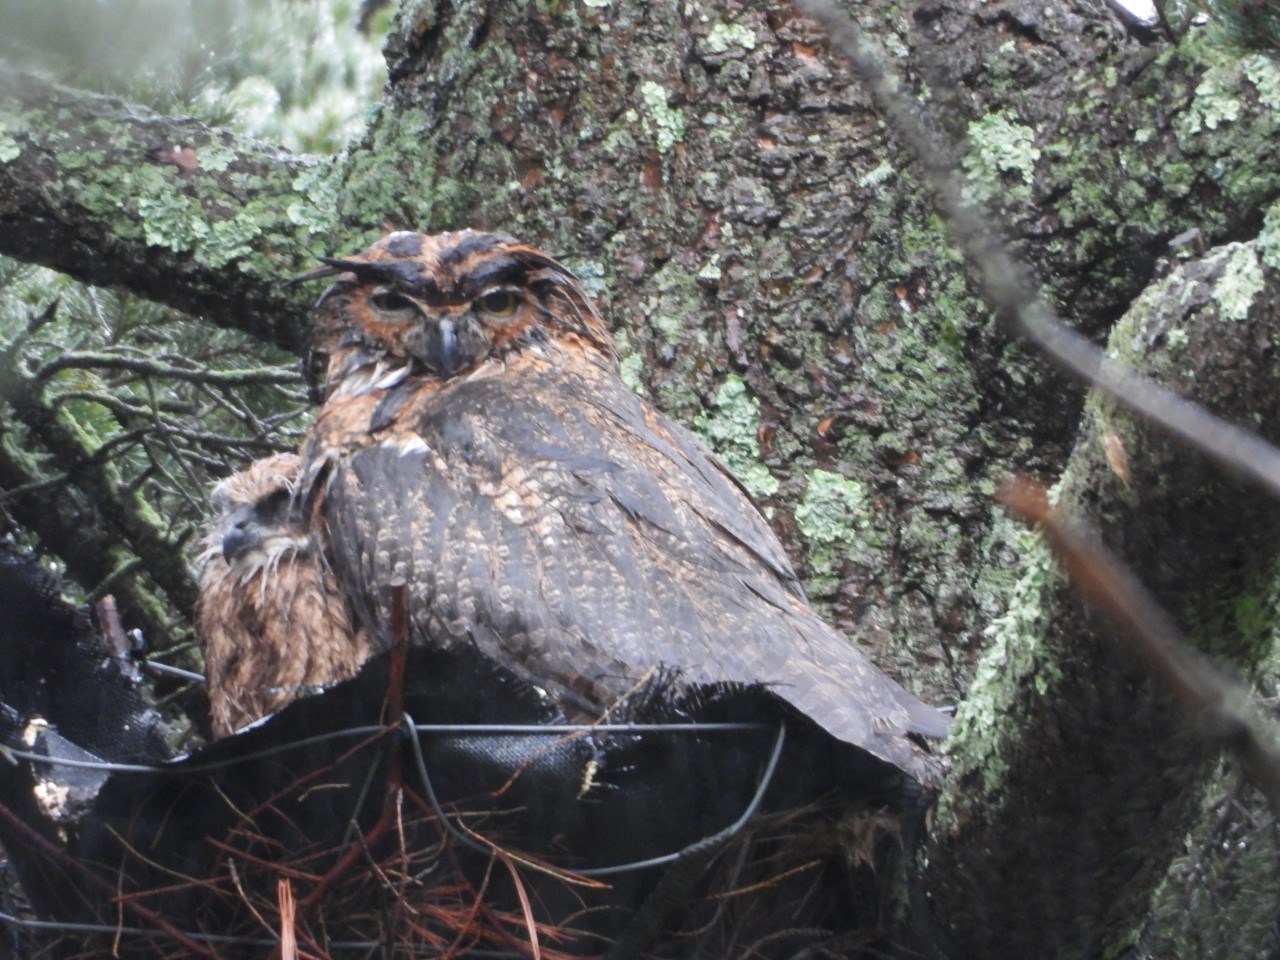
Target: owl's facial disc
[[248, 527], [242, 535]]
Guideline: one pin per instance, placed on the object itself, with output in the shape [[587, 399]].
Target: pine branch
[[121, 524], [73, 531]]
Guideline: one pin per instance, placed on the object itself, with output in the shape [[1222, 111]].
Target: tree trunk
[[1075, 776]]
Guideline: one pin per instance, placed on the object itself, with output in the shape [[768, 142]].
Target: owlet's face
[[445, 304], [256, 524]]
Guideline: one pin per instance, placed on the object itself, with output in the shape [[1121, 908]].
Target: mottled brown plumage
[[270, 617], [477, 443]]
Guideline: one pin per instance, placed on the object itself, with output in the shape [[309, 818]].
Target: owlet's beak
[[243, 535]]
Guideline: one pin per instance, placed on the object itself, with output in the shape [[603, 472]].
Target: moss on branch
[[183, 214]]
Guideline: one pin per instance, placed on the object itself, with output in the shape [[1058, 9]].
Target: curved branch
[[1066, 747], [113, 194]]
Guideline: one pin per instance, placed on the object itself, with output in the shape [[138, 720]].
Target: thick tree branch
[[1009, 287], [183, 214], [1068, 757], [1220, 707]]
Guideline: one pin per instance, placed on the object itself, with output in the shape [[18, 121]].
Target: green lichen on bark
[[1015, 656], [731, 426], [200, 212], [1269, 238], [725, 35], [837, 521], [1241, 282], [160, 206], [664, 122], [404, 173], [998, 146], [10, 149]]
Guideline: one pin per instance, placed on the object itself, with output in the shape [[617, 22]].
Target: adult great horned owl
[[270, 617], [477, 444]]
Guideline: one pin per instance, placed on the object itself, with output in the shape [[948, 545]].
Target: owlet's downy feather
[[270, 617]]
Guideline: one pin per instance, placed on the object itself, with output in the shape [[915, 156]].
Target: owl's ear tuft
[[551, 281], [405, 274], [534, 260], [366, 271], [330, 269], [349, 264]]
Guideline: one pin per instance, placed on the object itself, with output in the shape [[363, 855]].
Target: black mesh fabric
[[501, 843], [53, 665]]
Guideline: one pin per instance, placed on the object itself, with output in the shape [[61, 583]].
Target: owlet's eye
[[499, 303], [388, 301], [274, 506]]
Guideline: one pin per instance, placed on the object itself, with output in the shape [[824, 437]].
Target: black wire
[[765, 779], [472, 730]]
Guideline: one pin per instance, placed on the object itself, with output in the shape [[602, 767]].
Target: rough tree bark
[[775, 277]]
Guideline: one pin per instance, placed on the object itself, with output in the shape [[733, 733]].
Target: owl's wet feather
[[272, 620]]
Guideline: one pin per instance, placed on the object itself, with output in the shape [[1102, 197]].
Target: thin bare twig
[[102, 360]]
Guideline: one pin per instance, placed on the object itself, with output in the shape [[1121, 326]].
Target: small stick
[[288, 916], [112, 628]]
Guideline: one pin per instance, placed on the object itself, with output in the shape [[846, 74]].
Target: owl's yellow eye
[[499, 303]]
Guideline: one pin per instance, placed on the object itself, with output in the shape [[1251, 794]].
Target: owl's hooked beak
[[447, 345], [443, 353], [242, 536]]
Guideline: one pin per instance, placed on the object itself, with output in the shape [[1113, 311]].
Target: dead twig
[[112, 628], [288, 914]]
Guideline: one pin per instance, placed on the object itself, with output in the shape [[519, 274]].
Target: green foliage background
[[196, 401]]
